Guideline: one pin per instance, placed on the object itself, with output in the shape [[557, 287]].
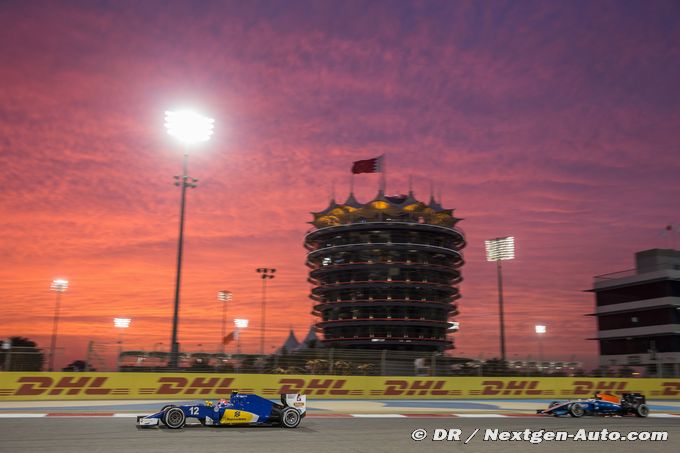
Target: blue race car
[[600, 404], [239, 409]]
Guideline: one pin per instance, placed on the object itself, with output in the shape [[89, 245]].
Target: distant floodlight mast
[[498, 250], [267, 274], [122, 324], [540, 331], [189, 128], [59, 285], [224, 296], [240, 324]]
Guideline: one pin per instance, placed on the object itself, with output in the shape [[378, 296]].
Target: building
[[385, 273], [638, 314]]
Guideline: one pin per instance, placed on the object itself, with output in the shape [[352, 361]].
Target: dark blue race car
[[600, 404], [239, 409]]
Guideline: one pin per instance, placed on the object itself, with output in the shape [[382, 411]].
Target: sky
[[553, 122]]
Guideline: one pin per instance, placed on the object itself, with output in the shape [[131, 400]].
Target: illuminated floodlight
[[224, 296], [189, 127], [122, 323], [60, 285], [500, 249], [241, 323], [540, 329]]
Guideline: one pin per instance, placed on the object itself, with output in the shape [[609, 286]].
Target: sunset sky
[[554, 122]]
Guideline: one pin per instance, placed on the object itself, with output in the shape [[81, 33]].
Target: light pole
[[59, 285], [540, 331], [189, 128], [240, 324], [224, 296], [497, 250], [266, 275], [122, 324]]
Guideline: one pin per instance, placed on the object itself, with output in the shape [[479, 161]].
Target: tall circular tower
[[385, 273]]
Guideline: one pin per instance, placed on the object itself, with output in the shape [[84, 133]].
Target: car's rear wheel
[[576, 410], [175, 418], [642, 410], [290, 418]]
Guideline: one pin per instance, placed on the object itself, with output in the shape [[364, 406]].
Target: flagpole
[[384, 170]]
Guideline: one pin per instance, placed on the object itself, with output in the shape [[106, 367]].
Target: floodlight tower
[[240, 324], [224, 297], [121, 324], [189, 128], [266, 275], [59, 286], [497, 250], [540, 331]]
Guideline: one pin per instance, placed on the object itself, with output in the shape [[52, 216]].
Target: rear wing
[[295, 400]]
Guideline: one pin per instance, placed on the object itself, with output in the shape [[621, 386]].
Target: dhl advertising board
[[96, 386]]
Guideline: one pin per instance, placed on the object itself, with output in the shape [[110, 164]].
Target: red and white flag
[[374, 165]]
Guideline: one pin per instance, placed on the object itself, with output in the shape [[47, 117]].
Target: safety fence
[[97, 386], [321, 361], [107, 357]]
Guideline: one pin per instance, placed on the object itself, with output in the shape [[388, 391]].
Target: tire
[[641, 410], [164, 410], [553, 404], [290, 418], [576, 410], [175, 418]]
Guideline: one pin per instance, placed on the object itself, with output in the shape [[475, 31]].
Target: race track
[[319, 435]]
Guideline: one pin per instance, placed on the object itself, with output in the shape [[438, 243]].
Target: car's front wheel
[[164, 410], [175, 418], [290, 418], [576, 410], [642, 410]]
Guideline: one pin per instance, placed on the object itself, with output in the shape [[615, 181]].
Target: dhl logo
[[336, 387], [313, 387], [396, 387], [519, 387], [670, 388], [199, 385], [88, 385], [42, 385], [590, 387]]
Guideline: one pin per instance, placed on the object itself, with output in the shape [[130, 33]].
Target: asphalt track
[[320, 435]]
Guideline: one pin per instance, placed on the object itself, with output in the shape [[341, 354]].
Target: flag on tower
[[374, 165]]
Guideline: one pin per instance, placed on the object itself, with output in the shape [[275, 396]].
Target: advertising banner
[[16, 386]]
